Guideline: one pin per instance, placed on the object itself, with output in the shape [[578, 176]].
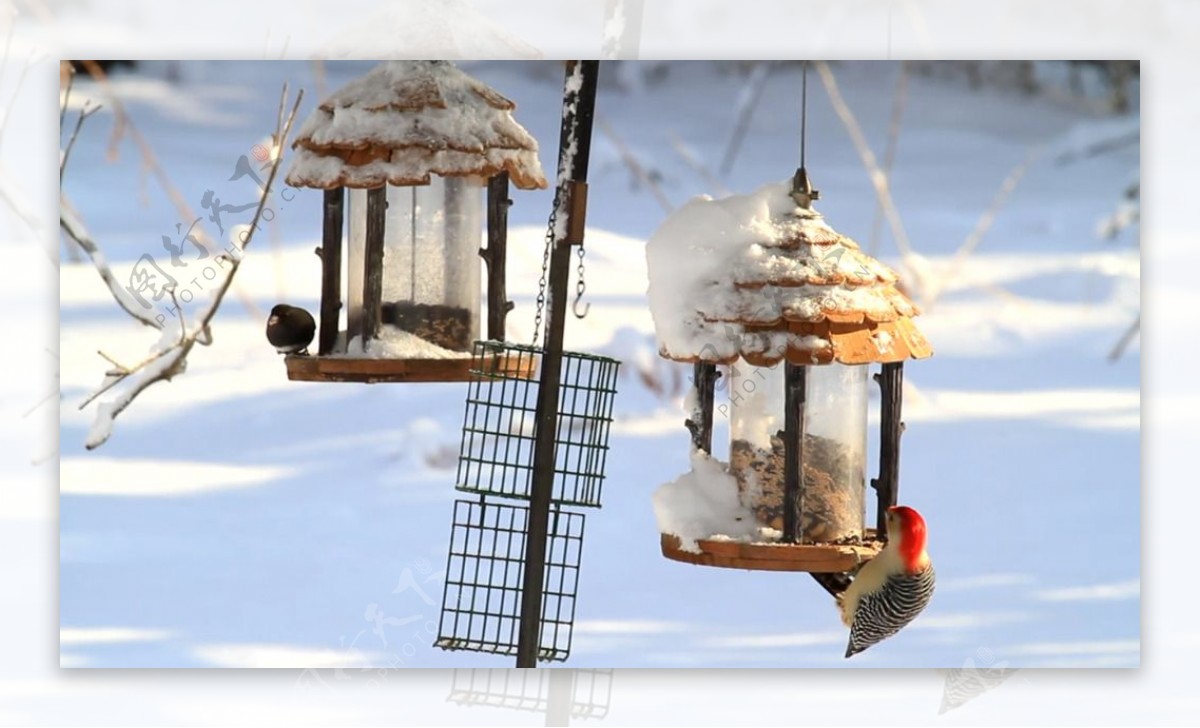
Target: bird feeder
[[415, 143], [761, 283]]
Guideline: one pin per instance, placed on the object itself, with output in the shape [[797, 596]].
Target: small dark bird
[[290, 329]]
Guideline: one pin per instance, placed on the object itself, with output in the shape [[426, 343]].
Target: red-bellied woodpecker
[[892, 588]]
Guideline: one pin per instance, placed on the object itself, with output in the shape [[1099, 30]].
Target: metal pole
[[579, 97]]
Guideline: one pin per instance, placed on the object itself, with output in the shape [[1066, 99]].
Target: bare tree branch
[[688, 155], [631, 161], [879, 179], [747, 105], [71, 223], [170, 359], [73, 226], [65, 66], [981, 227], [1104, 146], [20, 82], [1126, 339], [10, 193], [124, 123], [889, 152], [84, 113]]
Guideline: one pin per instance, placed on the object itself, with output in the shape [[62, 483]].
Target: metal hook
[[575, 306]]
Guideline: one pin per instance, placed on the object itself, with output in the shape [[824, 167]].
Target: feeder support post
[[704, 379], [793, 450], [579, 103], [494, 255], [887, 485], [331, 268], [373, 277]]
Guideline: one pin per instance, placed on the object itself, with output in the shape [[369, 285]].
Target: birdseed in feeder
[[833, 487], [446, 326]]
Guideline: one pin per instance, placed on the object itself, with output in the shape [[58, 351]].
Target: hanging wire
[[803, 112], [802, 189]]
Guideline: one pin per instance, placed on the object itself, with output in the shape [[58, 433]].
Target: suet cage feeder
[[496, 466], [404, 155], [798, 318]]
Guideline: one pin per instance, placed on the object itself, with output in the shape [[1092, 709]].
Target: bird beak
[[273, 320]]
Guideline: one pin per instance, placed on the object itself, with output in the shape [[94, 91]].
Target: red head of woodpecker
[[892, 588]]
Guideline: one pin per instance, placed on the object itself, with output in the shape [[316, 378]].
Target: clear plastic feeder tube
[[756, 443], [431, 283], [835, 452]]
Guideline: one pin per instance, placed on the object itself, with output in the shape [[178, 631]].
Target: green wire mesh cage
[[496, 454], [481, 604]]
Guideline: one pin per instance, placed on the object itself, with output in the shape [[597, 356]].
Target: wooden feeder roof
[[774, 282], [407, 120]]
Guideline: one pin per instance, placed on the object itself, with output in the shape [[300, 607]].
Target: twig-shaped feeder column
[[494, 255], [887, 485], [331, 267]]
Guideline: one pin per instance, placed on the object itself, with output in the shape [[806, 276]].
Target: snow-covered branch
[[168, 356], [73, 226], [124, 126]]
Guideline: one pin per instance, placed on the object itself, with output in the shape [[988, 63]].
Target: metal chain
[[541, 296], [580, 287]]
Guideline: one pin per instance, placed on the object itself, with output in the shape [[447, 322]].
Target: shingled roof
[[407, 120], [775, 282]]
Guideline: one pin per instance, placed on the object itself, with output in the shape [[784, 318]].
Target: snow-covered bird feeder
[[415, 143], [761, 283]]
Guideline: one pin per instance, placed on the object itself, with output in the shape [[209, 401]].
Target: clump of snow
[[716, 264], [169, 362], [757, 395], [394, 343], [882, 341], [703, 503]]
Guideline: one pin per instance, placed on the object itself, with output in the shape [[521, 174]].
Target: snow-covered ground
[[236, 519]]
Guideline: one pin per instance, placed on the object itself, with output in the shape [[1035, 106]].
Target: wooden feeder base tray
[[340, 368], [763, 556]]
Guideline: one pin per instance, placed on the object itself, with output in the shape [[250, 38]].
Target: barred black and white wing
[[885, 612]]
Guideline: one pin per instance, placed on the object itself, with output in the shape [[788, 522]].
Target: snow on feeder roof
[[407, 120], [763, 279]]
